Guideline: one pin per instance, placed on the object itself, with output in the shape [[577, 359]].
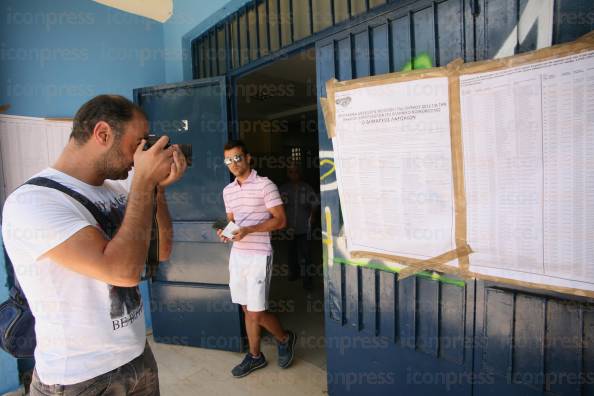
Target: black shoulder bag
[[17, 324]]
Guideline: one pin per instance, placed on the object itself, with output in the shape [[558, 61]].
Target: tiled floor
[[195, 371]]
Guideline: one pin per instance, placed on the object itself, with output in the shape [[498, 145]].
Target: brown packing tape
[[556, 289], [326, 113], [460, 220], [366, 82], [331, 101], [583, 44], [587, 38], [437, 263], [460, 216], [462, 250]]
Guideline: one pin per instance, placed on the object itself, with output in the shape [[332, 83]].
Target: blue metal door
[[530, 342], [190, 300], [422, 336], [384, 336]]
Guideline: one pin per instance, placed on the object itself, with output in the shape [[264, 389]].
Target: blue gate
[[190, 297]]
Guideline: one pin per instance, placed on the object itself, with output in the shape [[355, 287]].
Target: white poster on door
[[394, 170], [528, 136]]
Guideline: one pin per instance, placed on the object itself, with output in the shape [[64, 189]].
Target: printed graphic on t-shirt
[[126, 302]]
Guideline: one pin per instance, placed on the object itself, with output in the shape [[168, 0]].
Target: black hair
[[231, 144], [115, 110]]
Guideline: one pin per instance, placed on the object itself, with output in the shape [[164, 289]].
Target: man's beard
[[111, 165]]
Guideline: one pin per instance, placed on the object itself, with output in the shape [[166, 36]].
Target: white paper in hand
[[230, 230]]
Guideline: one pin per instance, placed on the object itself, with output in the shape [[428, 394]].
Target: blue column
[[9, 376]]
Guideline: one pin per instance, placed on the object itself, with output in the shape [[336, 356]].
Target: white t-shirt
[[84, 327]]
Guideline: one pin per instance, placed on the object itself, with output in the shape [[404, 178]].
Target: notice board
[[482, 169]]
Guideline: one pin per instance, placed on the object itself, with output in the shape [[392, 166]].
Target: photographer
[[82, 286]]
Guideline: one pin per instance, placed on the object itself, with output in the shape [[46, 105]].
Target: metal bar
[[238, 33], [194, 62], [439, 318], [279, 20], [371, 54], [291, 22], [435, 36], [390, 47], [513, 337], [215, 51], [412, 37], [268, 45], [332, 12], [228, 48], [247, 32], [257, 17], [311, 24]]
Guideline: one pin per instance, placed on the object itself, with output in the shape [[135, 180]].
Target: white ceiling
[[159, 10]]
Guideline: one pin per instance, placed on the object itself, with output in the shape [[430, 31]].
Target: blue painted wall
[[9, 378], [56, 54]]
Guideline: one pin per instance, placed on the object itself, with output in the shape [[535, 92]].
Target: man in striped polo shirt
[[254, 204]]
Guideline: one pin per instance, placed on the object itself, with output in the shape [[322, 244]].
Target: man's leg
[[285, 339], [253, 331], [253, 321]]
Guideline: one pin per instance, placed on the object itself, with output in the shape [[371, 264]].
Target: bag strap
[[104, 222]]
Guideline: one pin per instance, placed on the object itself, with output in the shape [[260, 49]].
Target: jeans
[[138, 377]]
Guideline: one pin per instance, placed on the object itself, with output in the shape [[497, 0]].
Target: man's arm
[[178, 168], [120, 261], [165, 226], [276, 222]]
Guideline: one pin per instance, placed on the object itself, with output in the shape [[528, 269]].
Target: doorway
[[277, 119]]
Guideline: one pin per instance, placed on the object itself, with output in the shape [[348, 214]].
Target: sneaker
[[286, 350], [248, 365]]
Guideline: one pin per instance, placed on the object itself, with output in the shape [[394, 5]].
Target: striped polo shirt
[[249, 203]]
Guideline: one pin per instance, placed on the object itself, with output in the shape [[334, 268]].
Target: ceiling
[[159, 10]]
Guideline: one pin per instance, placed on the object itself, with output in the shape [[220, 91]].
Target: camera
[[186, 149]]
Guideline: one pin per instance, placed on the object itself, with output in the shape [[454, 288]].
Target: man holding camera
[[82, 286], [254, 204]]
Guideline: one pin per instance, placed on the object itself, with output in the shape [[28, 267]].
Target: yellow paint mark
[[327, 161], [328, 214]]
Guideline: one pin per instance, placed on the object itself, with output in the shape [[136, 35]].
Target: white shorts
[[249, 280]]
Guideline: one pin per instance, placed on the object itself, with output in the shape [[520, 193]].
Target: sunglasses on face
[[236, 158]]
